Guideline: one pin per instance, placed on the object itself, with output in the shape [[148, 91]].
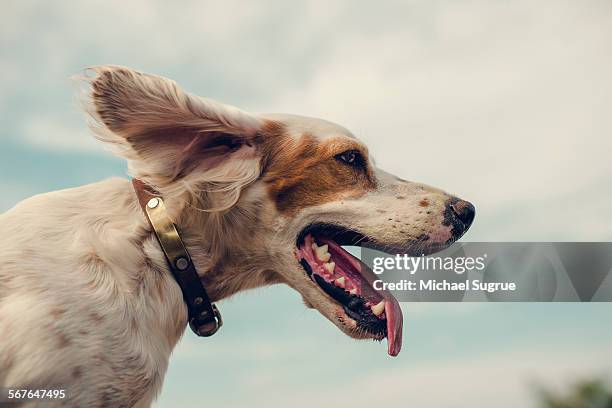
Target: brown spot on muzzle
[[304, 172], [424, 203]]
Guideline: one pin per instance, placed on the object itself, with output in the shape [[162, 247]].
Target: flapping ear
[[169, 137]]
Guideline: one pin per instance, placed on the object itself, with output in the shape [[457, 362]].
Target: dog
[[87, 300]]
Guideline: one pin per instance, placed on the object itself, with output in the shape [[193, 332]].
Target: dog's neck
[[220, 246]]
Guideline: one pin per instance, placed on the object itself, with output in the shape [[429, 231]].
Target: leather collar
[[204, 317]]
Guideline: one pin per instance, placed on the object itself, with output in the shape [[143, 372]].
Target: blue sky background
[[504, 103]]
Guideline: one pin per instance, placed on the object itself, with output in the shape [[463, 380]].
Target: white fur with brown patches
[[86, 300]]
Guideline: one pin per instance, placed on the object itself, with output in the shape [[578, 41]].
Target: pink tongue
[[394, 326], [393, 311]]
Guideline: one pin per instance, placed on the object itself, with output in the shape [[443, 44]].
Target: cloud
[[47, 132], [498, 379]]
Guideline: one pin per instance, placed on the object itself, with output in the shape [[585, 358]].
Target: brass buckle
[[209, 327]]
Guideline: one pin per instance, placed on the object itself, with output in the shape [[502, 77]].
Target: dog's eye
[[351, 157]]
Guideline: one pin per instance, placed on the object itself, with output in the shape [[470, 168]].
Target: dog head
[[275, 198]]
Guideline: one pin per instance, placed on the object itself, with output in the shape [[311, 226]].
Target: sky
[[505, 104]]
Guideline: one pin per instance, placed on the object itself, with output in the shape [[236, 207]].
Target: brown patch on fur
[[424, 203], [77, 372], [57, 312], [63, 341], [93, 261], [6, 280], [8, 364], [302, 173], [96, 317], [160, 290], [134, 325]]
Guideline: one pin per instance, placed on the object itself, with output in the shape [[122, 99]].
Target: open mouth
[[349, 282]]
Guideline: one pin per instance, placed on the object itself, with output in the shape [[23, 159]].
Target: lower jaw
[[351, 306], [364, 311]]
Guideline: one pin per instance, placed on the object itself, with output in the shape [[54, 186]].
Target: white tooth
[[353, 291], [321, 252], [340, 282], [379, 308], [329, 267]]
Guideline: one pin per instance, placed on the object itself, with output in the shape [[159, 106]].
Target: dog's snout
[[460, 214]]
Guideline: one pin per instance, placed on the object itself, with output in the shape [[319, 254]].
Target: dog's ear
[[168, 135]]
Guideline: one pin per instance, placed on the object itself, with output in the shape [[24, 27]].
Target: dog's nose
[[459, 214], [464, 211]]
